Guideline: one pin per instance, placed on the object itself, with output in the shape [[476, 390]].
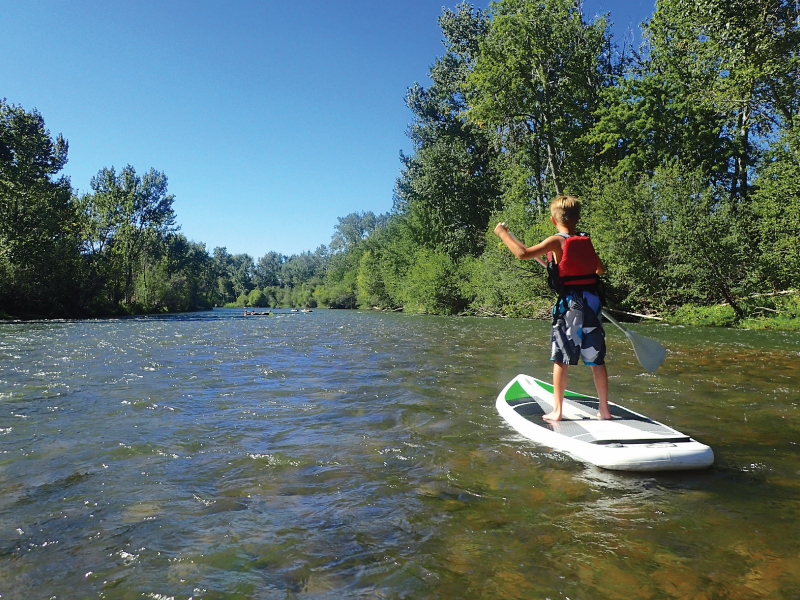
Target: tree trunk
[[552, 154], [539, 183], [744, 154], [539, 178], [736, 161], [552, 160]]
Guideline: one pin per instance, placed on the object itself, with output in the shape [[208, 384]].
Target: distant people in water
[[254, 313]]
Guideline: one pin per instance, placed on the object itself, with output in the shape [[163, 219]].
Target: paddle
[[649, 353]]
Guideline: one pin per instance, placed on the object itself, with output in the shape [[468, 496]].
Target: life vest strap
[[593, 276]]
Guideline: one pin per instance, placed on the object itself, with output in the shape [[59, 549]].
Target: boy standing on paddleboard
[[575, 271]]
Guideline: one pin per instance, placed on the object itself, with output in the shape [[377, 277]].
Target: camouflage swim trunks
[[578, 330]]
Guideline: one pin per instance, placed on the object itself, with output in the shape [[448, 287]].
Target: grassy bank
[[762, 312]]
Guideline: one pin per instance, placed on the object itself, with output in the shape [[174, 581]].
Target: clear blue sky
[[270, 119]]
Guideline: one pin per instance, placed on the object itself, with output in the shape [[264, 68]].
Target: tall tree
[[39, 242], [737, 58], [451, 185], [240, 272], [301, 268], [267, 271], [354, 228], [538, 79], [124, 208], [648, 121]]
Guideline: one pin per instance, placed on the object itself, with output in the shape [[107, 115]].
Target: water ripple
[[358, 454]]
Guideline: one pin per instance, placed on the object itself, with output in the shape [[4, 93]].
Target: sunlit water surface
[[343, 454]]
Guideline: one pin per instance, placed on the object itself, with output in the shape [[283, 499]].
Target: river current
[[353, 454]]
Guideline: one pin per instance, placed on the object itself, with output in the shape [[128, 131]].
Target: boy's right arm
[[520, 250]]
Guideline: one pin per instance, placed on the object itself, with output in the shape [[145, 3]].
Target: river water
[[345, 454]]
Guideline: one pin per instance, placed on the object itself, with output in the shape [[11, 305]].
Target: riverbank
[[769, 312], [780, 311]]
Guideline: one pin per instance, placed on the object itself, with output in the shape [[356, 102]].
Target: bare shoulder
[[554, 243]]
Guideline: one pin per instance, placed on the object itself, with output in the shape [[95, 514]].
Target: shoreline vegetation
[[685, 151]]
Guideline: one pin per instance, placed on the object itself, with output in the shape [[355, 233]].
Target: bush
[[338, 294], [257, 298], [671, 239], [371, 288], [776, 207], [500, 283], [432, 284], [720, 315]]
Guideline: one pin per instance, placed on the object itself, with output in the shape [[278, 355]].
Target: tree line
[[116, 249], [685, 151]]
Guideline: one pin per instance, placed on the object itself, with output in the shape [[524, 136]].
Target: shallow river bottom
[[344, 454]]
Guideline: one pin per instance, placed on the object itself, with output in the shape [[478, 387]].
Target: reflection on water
[[353, 454]]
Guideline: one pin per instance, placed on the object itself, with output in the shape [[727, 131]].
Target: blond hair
[[566, 209]]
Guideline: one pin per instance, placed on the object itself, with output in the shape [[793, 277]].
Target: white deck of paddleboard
[[628, 442]]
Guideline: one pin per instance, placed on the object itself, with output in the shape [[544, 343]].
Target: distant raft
[[628, 442]]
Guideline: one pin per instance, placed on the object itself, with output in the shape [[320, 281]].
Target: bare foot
[[604, 415], [552, 416]]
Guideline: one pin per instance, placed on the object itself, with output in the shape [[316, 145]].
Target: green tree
[[538, 80], [776, 208], [671, 239], [123, 210], [39, 234], [737, 58], [354, 228], [240, 273], [370, 282], [257, 298], [339, 287], [223, 287], [304, 267], [189, 268], [267, 271], [450, 186], [432, 284], [647, 121]]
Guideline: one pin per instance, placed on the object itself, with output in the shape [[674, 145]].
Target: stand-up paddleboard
[[628, 442]]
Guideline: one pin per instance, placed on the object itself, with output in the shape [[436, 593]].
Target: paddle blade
[[649, 352]]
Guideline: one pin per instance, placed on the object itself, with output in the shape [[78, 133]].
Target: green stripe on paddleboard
[[515, 392], [549, 388]]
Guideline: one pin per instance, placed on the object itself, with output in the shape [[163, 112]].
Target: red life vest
[[578, 264], [576, 271], [577, 267]]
